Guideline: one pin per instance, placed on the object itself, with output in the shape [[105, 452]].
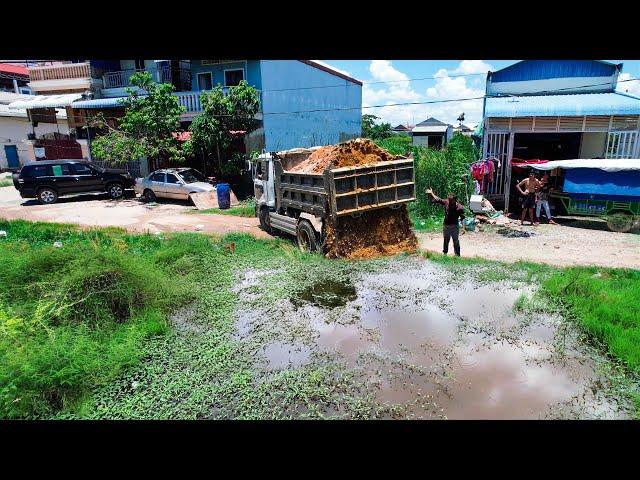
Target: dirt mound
[[378, 232], [360, 151]]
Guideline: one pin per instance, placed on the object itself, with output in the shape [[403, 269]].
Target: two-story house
[[303, 102]]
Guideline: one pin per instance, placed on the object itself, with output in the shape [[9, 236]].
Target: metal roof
[[5, 111], [612, 103], [546, 69], [100, 102], [431, 128], [430, 122], [46, 101], [8, 97]]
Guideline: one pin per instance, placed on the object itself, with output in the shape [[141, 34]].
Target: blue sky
[[455, 79]]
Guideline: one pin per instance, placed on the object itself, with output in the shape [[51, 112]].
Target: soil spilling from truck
[[348, 154], [378, 232]]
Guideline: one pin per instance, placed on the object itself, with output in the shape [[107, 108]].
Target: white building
[[15, 147]]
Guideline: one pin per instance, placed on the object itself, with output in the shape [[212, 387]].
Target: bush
[[396, 144], [72, 318], [445, 171]]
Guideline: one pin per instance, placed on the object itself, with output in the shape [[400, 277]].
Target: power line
[[429, 102]]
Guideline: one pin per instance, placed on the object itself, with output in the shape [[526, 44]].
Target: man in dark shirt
[[453, 212]]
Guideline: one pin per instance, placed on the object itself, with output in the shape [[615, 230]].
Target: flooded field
[[430, 344]]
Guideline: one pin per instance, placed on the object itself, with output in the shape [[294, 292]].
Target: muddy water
[[443, 348]]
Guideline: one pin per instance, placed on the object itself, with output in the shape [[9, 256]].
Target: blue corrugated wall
[[307, 129], [545, 69]]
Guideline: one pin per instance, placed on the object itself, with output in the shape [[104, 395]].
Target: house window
[[204, 81], [139, 64], [622, 145], [233, 77]]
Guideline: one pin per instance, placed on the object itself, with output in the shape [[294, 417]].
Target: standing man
[[543, 199], [529, 202], [453, 212]]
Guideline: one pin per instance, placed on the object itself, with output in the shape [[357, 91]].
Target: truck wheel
[[620, 222], [265, 223], [47, 195], [307, 237]]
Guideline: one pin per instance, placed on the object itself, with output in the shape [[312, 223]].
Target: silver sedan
[[176, 183]]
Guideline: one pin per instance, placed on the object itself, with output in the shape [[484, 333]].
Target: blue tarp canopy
[[601, 184], [562, 105]]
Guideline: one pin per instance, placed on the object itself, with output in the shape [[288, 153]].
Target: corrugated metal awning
[[612, 103], [46, 101], [100, 103]]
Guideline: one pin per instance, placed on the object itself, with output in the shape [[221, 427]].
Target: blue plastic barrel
[[224, 196]]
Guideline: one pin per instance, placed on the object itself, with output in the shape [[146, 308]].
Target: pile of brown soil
[[360, 151], [375, 233]]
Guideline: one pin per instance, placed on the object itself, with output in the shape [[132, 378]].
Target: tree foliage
[[373, 130], [152, 115], [222, 114]]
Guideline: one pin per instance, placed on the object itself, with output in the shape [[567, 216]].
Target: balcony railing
[[192, 100], [60, 72], [122, 78]]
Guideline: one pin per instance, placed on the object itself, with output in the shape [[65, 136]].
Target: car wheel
[[148, 195], [115, 190], [47, 196], [307, 237]]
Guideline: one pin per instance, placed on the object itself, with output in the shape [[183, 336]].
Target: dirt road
[[130, 214], [574, 242]]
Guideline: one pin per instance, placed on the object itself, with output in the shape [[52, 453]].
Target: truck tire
[[307, 237], [265, 223], [620, 221]]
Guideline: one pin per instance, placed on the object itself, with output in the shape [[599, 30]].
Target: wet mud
[[437, 346]]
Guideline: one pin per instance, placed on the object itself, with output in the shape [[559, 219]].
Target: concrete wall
[[14, 130], [308, 128], [593, 144], [251, 72]]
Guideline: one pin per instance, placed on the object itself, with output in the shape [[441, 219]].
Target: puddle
[[327, 293], [280, 355], [345, 339], [437, 348]]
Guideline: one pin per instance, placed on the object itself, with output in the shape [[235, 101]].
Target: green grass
[[73, 318], [245, 209], [606, 302], [6, 182], [84, 330]]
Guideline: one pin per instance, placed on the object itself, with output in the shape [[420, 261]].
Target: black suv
[[46, 180]]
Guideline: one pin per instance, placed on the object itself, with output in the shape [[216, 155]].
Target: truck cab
[[262, 172]]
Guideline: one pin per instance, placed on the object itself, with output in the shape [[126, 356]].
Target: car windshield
[[192, 176]]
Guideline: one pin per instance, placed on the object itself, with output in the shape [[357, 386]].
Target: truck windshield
[[192, 176]]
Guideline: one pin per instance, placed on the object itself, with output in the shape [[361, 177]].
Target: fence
[[134, 167]]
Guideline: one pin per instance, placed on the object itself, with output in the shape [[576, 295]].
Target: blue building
[[303, 102], [555, 110]]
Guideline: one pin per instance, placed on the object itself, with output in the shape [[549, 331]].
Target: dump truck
[[304, 204]]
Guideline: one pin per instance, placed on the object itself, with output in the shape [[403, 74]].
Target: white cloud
[[632, 87], [447, 86], [472, 66]]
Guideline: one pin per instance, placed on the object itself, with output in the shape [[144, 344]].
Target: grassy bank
[[74, 317], [247, 208], [6, 182]]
